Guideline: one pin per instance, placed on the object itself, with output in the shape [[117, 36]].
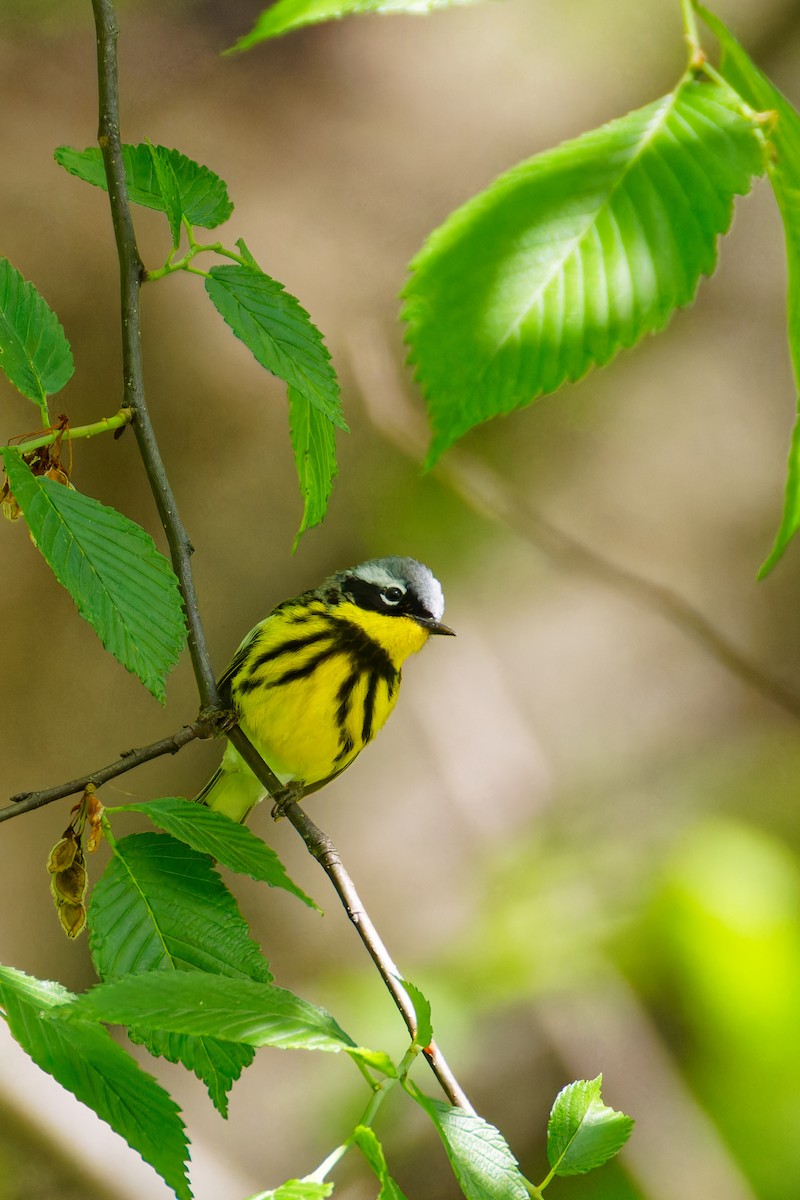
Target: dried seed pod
[[70, 885], [72, 918], [63, 853]]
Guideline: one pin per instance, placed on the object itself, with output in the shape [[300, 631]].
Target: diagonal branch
[[324, 851]]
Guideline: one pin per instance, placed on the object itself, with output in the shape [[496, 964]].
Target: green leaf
[[232, 845], [296, 1189], [314, 445], [422, 1009], [288, 15], [34, 351], [123, 586], [582, 1133], [88, 1063], [169, 188], [278, 332], [235, 1010], [783, 167], [575, 254], [372, 1150], [479, 1155], [161, 905], [203, 195]]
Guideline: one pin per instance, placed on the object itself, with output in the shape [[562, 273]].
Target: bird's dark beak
[[438, 627]]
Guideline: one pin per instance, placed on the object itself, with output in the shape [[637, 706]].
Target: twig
[[326, 854], [131, 275], [484, 491], [323, 849], [28, 801]]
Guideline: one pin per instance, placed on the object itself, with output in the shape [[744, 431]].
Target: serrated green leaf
[[34, 351], [232, 845], [235, 1010], [169, 188], [288, 15], [422, 1010], [203, 195], [279, 333], [479, 1154], [575, 254], [296, 1189], [783, 168], [364, 1137], [161, 905], [582, 1132], [88, 1063], [215, 1062], [314, 445], [122, 585]]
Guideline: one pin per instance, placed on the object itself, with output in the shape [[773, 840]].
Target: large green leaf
[[287, 15], [479, 1154], [575, 254], [34, 351], [582, 1132], [783, 167], [203, 195], [232, 845], [123, 586], [160, 905], [314, 445], [236, 1010], [88, 1063], [279, 333]]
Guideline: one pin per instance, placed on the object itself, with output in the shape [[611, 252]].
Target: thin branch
[[28, 801], [324, 851], [484, 491], [326, 854], [131, 275]]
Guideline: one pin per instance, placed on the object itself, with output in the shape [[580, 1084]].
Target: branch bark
[[131, 277]]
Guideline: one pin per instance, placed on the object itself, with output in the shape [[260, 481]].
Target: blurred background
[[580, 832]]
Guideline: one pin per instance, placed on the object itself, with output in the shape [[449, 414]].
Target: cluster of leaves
[[181, 971], [118, 579]]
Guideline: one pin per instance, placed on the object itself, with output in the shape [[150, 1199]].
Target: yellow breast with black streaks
[[314, 683]]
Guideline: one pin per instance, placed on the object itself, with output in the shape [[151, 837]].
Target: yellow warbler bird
[[317, 679]]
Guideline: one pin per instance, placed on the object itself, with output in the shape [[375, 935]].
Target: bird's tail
[[233, 788]]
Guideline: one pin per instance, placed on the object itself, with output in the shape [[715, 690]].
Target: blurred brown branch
[[484, 491]]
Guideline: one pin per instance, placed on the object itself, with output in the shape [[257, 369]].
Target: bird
[[314, 681]]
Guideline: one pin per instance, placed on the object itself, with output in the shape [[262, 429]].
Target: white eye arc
[[392, 595]]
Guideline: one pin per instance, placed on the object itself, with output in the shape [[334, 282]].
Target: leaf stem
[[182, 264], [691, 35], [104, 425]]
